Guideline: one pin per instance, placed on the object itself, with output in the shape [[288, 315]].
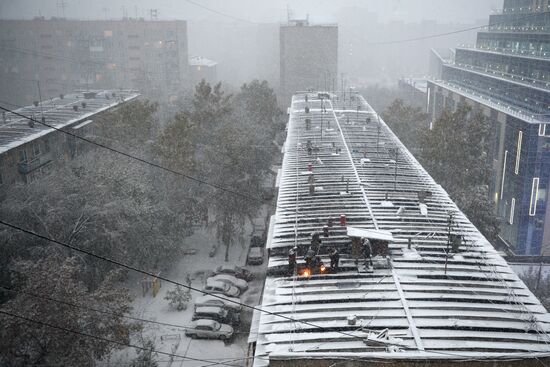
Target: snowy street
[[172, 339]]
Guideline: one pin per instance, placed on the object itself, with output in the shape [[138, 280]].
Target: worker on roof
[[334, 260], [315, 241], [292, 260], [367, 252], [309, 258]]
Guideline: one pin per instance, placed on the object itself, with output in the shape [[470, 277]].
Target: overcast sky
[[444, 11]]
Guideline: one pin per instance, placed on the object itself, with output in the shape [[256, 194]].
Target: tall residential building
[[308, 57], [507, 76], [72, 54]]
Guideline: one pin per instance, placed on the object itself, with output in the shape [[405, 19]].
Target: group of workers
[[361, 247]]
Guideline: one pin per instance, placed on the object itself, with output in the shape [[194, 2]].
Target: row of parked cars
[[217, 313]]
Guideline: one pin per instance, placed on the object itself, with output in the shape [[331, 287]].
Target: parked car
[[231, 280], [215, 286], [209, 329], [255, 256], [218, 314], [257, 241], [209, 300], [236, 271]]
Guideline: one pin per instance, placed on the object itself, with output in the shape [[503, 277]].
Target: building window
[[46, 146], [534, 196], [503, 174], [542, 130], [22, 156], [512, 210], [36, 148], [518, 151]]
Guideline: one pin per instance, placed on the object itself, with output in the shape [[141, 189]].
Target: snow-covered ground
[[172, 339]]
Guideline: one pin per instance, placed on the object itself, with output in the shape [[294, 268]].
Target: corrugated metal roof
[[476, 308], [16, 130]]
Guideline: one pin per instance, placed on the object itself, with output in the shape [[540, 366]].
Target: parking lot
[[172, 339]]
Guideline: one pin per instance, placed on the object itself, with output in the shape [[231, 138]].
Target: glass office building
[[507, 76]]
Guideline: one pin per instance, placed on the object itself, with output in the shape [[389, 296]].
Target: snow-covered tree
[[178, 297], [455, 153], [56, 277]]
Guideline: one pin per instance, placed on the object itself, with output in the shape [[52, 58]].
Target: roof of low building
[[201, 61], [57, 113]]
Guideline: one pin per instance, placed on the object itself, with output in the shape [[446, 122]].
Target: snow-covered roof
[[369, 233], [201, 61], [421, 84], [59, 113], [421, 304], [495, 104]]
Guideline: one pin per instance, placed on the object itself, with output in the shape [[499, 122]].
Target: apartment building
[[31, 140], [43, 58], [308, 57]]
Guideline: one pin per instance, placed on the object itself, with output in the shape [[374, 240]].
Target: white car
[[231, 280], [209, 329], [215, 286], [230, 303]]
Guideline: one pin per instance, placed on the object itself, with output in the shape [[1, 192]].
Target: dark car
[[256, 251], [255, 256]]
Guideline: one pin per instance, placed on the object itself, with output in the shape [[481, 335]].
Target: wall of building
[[522, 208], [308, 57], [28, 162]]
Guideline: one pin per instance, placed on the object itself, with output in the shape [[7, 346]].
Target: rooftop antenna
[[153, 14], [288, 13], [61, 4], [105, 11]]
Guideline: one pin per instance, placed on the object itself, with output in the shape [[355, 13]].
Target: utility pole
[[395, 171], [40, 99], [343, 91], [540, 273], [377, 133], [449, 224]]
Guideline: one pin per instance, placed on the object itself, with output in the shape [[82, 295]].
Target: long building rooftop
[[58, 113], [418, 304]]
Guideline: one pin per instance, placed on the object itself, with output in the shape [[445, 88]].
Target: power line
[[126, 266], [46, 298], [220, 13], [111, 340], [130, 267], [450, 33], [142, 160]]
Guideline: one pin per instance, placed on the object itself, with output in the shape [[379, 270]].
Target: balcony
[[37, 162]]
